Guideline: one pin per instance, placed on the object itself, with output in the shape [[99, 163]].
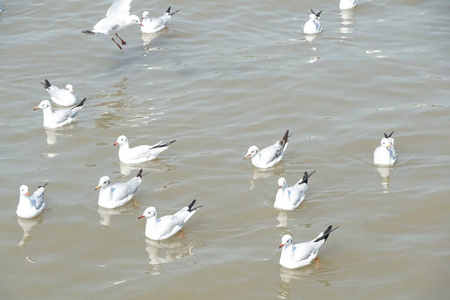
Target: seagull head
[[103, 182], [145, 15], [148, 213], [281, 182], [387, 142], [286, 240], [43, 105], [251, 152], [133, 19], [121, 140], [69, 87], [24, 190]]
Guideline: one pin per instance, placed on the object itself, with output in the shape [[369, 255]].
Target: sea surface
[[223, 76]]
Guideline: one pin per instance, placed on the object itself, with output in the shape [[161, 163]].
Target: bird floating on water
[[385, 154], [30, 206], [63, 97], [139, 154], [289, 198], [269, 156], [150, 25], [313, 26], [58, 118]]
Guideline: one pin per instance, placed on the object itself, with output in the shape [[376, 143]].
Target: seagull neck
[[25, 202], [150, 226], [105, 192]]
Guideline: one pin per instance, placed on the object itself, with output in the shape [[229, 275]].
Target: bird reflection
[[282, 218], [106, 213], [156, 165], [167, 251], [347, 21], [27, 225], [148, 38], [266, 173], [385, 172], [310, 37]]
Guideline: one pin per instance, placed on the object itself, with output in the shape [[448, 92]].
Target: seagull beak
[[247, 156], [97, 187], [280, 246], [280, 186], [141, 216], [389, 146], [36, 108], [28, 194], [115, 144], [141, 24]]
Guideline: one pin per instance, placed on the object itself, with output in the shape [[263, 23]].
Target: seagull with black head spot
[[313, 26], [117, 18], [385, 154], [269, 156]]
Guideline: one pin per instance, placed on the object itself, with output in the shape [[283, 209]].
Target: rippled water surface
[[224, 76]]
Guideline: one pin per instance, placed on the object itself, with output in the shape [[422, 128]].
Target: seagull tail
[[190, 209], [139, 174], [89, 32], [80, 104], [324, 235], [171, 14], [42, 186], [306, 176], [164, 145], [286, 137], [46, 84], [388, 135]]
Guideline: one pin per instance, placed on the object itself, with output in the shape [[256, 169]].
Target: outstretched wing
[[119, 7]]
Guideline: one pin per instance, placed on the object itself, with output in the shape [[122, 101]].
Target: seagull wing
[[119, 7]]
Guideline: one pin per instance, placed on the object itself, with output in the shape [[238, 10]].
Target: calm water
[[224, 76]]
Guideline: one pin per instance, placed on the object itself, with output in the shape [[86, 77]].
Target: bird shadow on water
[[27, 225], [168, 251], [385, 172]]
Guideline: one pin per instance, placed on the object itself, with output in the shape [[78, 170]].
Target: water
[[222, 77]]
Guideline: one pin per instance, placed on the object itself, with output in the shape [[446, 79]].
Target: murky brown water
[[224, 76]]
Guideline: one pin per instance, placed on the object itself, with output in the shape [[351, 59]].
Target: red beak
[[36, 108], [280, 246], [141, 25], [280, 186], [141, 216], [115, 144], [28, 194]]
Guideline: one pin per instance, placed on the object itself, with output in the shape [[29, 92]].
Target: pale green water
[[224, 76]]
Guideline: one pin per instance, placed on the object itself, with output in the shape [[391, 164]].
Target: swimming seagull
[[167, 226], [347, 4], [269, 156], [289, 198], [313, 26], [118, 194], [58, 118], [385, 153], [30, 206], [141, 153], [300, 255], [150, 25], [63, 97], [117, 18]]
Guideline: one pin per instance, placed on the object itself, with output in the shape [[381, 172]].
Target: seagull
[[118, 194], [313, 26], [30, 206], [269, 156], [63, 97], [117, 18], [150, 25], [167, 226], [347, 4], [289, 198], [385, 153], [141, 153], [300, 255], [58, 118]]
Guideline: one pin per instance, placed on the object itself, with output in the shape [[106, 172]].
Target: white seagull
[[118, 194], [347, 4], [385, 153], [30, 206], [141, 153], [300, 255], [58, 118], [150, 25], [313, 26], [167, 226], [63, 97], [269, 156], [289, 198], [117, 18]]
